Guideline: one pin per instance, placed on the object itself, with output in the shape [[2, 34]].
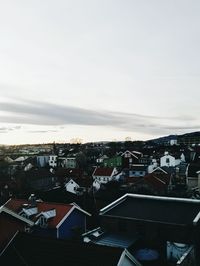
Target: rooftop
[[155, 209]]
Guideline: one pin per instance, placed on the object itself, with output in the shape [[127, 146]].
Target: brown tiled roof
[[100, 171]]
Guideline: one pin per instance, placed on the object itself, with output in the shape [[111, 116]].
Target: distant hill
[[187, 138]]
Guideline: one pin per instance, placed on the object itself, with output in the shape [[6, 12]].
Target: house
[[37, 178], [129, 158], [115, 161], [101, 159], [51, 219], [64, 174], [153, 165], [156, 184], [10, 224], [137, 170], [42, 160], [96, 185], [26, 249], [168, 160], [72, 186], [53, 161], [67, 162], [192, 175], [162, 224], [104, 174]]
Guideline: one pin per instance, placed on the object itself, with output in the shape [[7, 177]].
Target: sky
[[98, 69]]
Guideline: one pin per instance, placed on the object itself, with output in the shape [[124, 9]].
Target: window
[[27, 229], [24, 215], [167, 160], [43, 222]]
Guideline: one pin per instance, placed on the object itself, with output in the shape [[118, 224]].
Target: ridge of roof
[[141, 196]]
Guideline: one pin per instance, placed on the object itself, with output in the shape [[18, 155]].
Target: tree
[[81, 160]]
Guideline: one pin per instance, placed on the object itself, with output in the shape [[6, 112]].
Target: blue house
[[56, 220]]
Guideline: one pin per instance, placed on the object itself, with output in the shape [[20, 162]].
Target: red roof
[[100, 171], [61, 209], [159, 182]]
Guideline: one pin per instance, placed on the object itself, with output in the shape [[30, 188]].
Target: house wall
[[128, 161], [136, 173], [113, 162], [103, 179], [168, 161], [53, 160], [70, 162], [192, 182], [75, 220], [71, 185], [42, 161], [50, 232], [150, 231]]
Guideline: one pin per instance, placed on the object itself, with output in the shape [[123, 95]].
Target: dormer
[[44, 216], [28, 211]]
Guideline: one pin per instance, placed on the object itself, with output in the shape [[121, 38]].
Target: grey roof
[[116, 240], [98, 236], [154, 209]]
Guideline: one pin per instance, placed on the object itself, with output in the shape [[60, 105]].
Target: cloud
[[42, 131], [7, 129], [48, 114]]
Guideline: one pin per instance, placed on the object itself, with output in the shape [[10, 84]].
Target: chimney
[[32, 200]]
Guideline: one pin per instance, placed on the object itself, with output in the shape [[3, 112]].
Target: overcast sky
[[98, 70]]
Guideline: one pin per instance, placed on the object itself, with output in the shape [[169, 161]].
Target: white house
[[101, 159], [53, 160], [167, 160], [72, 186], [152, 166], [96, 185], [104, 174]]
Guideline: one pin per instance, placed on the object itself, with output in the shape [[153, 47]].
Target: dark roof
[[158, 182], [69, 172], [193, 169], [36, 173], [154, 209], [26, 249], [169, 170], [100, 171]]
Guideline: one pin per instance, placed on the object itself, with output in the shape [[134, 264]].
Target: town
[[103, 203]]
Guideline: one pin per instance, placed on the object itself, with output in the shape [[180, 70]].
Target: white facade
[[71, 186], [53, 160], [173, 142], [103, 179], [167, 160], [152, 166], [101, 159], [96, 185]]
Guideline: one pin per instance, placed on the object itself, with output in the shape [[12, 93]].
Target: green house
[[113, 162]]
